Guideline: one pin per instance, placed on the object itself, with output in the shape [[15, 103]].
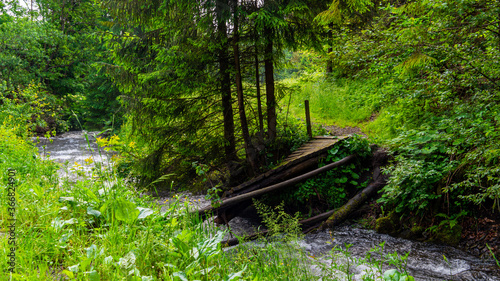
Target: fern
[[332, 15], [415, 62]]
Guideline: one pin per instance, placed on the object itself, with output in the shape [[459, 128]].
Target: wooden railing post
[[308, 119]]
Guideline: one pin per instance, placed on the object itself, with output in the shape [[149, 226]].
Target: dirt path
[[338, 131]]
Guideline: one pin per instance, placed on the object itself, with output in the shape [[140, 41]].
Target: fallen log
[[228, 214], [277, 177], [253, 194], [333, 217], [343, 212]]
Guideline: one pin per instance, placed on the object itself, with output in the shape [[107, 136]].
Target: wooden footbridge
[[299, 166], [304, 158]]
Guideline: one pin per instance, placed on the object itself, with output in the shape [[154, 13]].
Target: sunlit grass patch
[[341, 104]]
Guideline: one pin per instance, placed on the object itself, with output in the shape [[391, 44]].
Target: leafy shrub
[[277, 221], [33, 109], [449, 154]]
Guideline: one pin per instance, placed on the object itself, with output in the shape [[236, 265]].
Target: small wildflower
[[89, 161]]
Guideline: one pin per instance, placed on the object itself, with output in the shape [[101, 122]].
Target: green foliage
[[21, 155], [442, 156], [56, 52], [343, 103], [32, 109], [27, 48], [98, 228], [448, 223], [331, 188], [277, 221], [348, 12], [428, 77], [101, 108], [172, 64]]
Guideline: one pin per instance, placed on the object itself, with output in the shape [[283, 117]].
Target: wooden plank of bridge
[[317, 144]]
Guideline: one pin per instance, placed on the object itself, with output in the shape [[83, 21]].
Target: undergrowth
[[443, 138], [342, 102]]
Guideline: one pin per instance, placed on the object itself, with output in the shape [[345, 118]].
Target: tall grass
[[339, 103]]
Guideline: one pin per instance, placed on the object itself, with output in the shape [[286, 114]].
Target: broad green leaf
[[144, 212], [69, 273], [180, 275], [93, 275], [74, 268], [128, 261], [125, 211], [91, 211], [391, 275]]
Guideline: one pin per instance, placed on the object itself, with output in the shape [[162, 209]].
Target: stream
[[425, 261]]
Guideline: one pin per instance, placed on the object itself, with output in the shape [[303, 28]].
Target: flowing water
[[425, 261], [74, 150]]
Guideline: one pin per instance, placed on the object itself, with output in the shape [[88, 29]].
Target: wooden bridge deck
[[317, 144]]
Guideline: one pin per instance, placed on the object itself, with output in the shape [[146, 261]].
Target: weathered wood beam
[[275, 175], [247, 196], [333, 217]]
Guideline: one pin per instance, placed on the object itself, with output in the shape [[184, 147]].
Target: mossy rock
[[415, 233], [386, 225], [450, 236]]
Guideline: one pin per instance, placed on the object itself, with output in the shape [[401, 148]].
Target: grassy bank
[[100, 228], [344, 103]]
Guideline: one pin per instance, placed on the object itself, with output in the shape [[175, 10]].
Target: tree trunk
[[270, 97], [249, 148], [259, 101], [257, 82], [341, 214], [225, 83], [329, 62]]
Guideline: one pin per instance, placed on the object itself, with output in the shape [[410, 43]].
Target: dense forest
[[204, 95]]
